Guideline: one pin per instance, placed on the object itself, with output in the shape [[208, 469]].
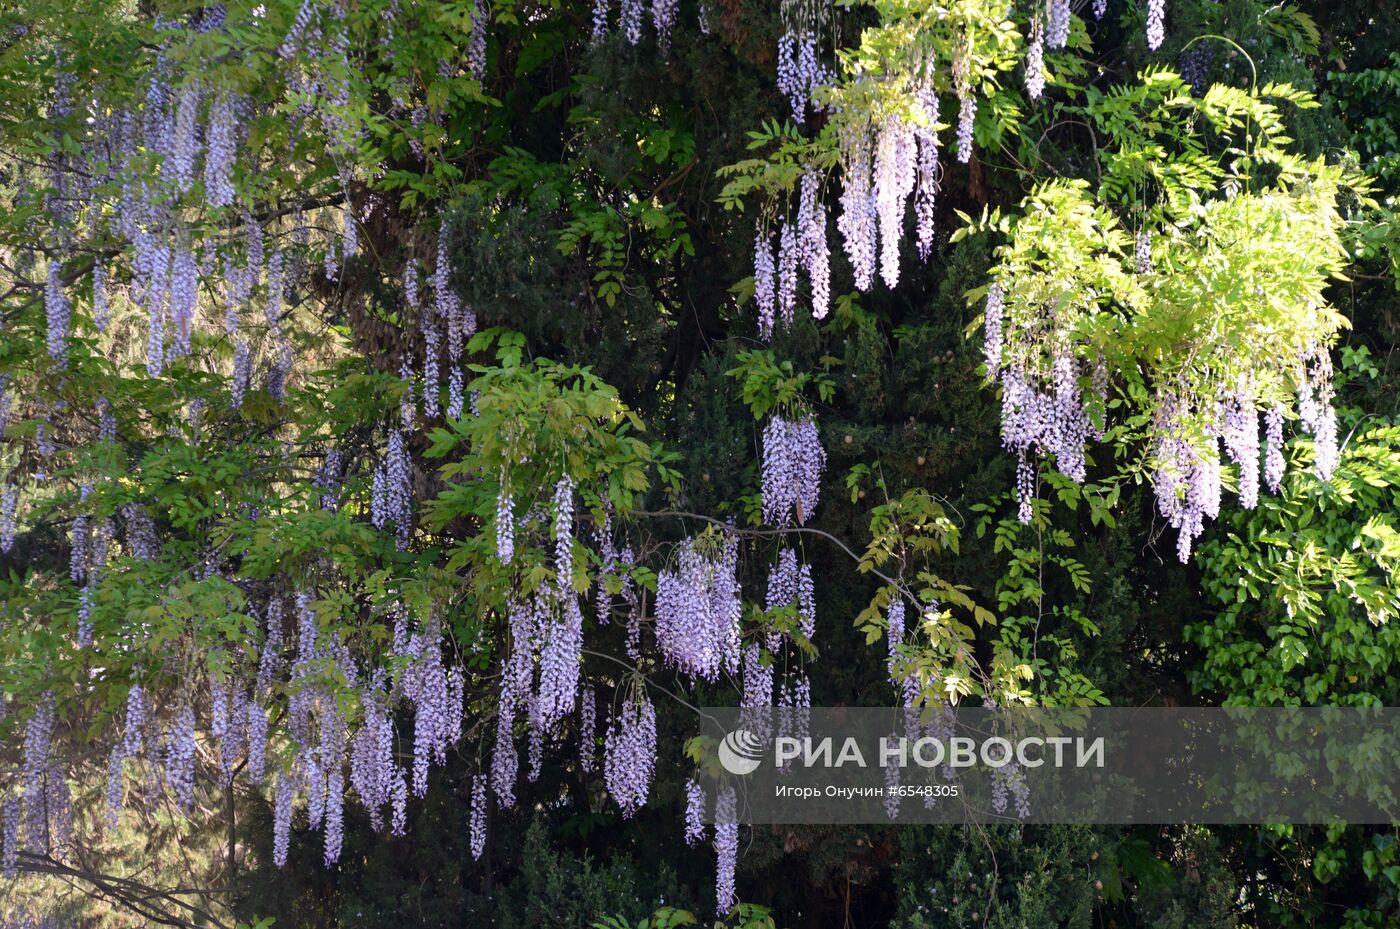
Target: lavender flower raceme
[[812, 250], [9, 506], [300, 27], [967, 117], [476, 43], [1273, 442], [56, 311], [992, 327], [600, 19], [1241, 436], [630, 755], [242, 374], [764, 282], [793, 461], [587, 730], [505, 764], [1035, 61], [185, 145], [478, 816], [282, 819], [726, 849], [698, 608], [1057, 32], [505, 525], [561, 622], [631, 21], [894, 617], [219, 157], [663, 17], [180, 757], [787, 273], [694, 812], [9, 835], [857, 222], [101, 311], [926, 192], [563, 534], [257, 741], [896, 156], [1156, 23], [184, 291]]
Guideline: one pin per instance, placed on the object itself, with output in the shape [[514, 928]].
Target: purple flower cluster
[[564, 535], [600, 19], [242, 374], [180, 752], [141, 540], [478, 816], [787, 273], [184, 292], [1142, 251], [1315, 411], [184, 146], [813, 252], [993, 323], [9, 835], [9, 507], [694, 812], [631, 20], [1057, 33], [857, 222], [757, 694], [790, 586], [1186, 478], [299, 31], [392, 491], [967, 118], [663, 17], [221, 151], [256, 726], [1240, 432], [1156, 23], [793, 461], [763, 282], [698, 608], [559, 622], [505, 524], [587, 730], [283, 795], [926, 195], [372, 768], [1273, 444], [56, 311], [896, 162], [476, 42], [630, 755], [726, 849], [1047, 419], [101, 310], [894, 619], [800, 71], [1035, 61]]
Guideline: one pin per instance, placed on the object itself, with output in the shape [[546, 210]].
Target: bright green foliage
[[1308, 584]]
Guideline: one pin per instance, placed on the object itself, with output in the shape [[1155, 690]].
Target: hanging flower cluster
[[790, 585], [793, 461], [631, 15], [1069, 288], [698, 608], [802, 246], [630, 754]]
